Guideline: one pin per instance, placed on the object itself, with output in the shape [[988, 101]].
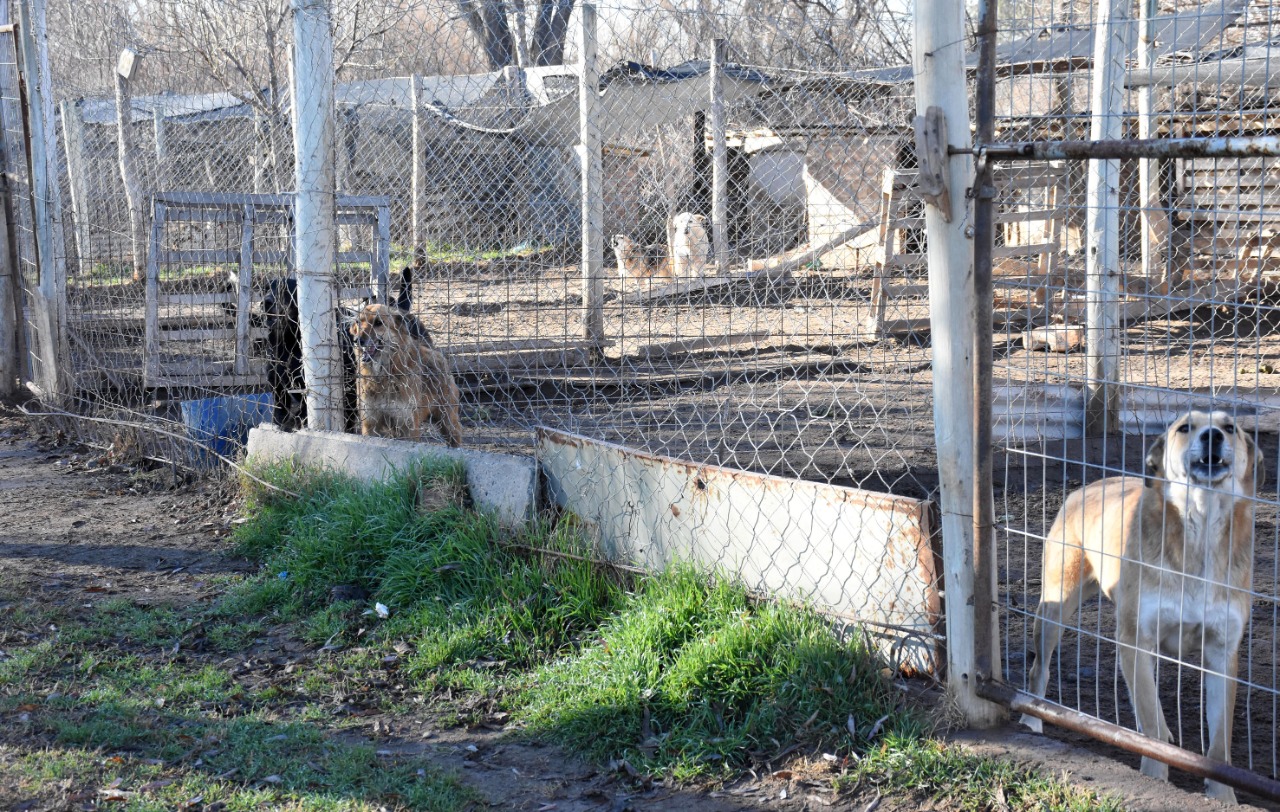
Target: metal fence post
[[592, 184], [315, 211], [1102, 285], [940, 83]]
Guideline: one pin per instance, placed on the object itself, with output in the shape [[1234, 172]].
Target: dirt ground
[[79, 530]]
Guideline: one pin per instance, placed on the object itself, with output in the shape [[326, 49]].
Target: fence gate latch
[[931, 154]]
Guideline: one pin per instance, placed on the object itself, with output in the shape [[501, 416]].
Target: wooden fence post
[[315, 211], [1155, 218], [49, 302], [161, 126], [592, 184], [1102, 253], [419, 147], [73, 142], [719, 162], [127, 149], [940, 83]]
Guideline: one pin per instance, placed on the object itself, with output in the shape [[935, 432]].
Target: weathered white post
[[49, 302], [127, 150], [592, 184], [161, 127], [940, 83], [1155, 220], [1102, 254], [419, 161], [315, 211], [719, 162], [73, 143]]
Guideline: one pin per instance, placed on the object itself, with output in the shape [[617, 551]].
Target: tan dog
[[402, 382], [634, 262], [690, 248], [1174, 551]]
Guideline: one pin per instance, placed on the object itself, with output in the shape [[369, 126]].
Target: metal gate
[[1165, 302]]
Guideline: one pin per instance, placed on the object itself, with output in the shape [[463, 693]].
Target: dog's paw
[[1220, 792], [1032, 723]]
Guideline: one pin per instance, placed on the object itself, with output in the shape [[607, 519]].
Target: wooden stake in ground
[[127, 150]]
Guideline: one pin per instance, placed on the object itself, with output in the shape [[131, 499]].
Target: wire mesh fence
[[1160, 301], [738, 220], [770, 363]]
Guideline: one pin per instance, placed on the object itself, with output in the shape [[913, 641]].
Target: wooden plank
[[652, 512], [482, 347], [225, 199], [900, 291], [690, 345], [52, 346], [229, 256], [520, 363], [215, 334], [1029, 249], [180, 300]]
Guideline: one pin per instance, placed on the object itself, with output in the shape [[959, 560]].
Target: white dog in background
[[690, 248]]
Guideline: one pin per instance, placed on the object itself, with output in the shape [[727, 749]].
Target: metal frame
[[249, 210]]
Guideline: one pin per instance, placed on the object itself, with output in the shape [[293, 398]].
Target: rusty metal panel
[[859, 555]]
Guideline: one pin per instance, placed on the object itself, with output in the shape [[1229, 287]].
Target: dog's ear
[[1259, 461], [1154, 466], [404, 290]]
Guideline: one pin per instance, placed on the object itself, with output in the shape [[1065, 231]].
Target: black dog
[[284, 351]]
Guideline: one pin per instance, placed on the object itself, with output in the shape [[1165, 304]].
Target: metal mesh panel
[[1190, 293]]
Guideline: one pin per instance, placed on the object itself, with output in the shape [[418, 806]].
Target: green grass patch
[[929, 769]]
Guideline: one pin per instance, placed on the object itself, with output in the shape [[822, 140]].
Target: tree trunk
[[550, 30]]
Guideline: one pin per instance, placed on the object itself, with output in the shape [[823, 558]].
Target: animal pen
[[774, 415]]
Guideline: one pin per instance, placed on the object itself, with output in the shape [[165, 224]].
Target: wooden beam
[[314, 213], [127, 155], [719, 161], [1102, 251], [73, 143], [592, 182], [939, 68]]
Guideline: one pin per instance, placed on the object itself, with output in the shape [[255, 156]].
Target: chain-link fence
[[733, 306]]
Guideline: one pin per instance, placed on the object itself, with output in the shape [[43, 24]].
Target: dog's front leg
[[1137, 662], [1220, 703]]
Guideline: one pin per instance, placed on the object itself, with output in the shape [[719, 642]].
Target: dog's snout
[[1217, 438]]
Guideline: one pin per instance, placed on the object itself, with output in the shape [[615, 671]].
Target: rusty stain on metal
[[852, 553]]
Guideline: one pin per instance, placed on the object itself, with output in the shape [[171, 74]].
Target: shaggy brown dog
[[402, 382]]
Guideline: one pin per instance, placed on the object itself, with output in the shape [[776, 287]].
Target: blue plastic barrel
[[222, 424]]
